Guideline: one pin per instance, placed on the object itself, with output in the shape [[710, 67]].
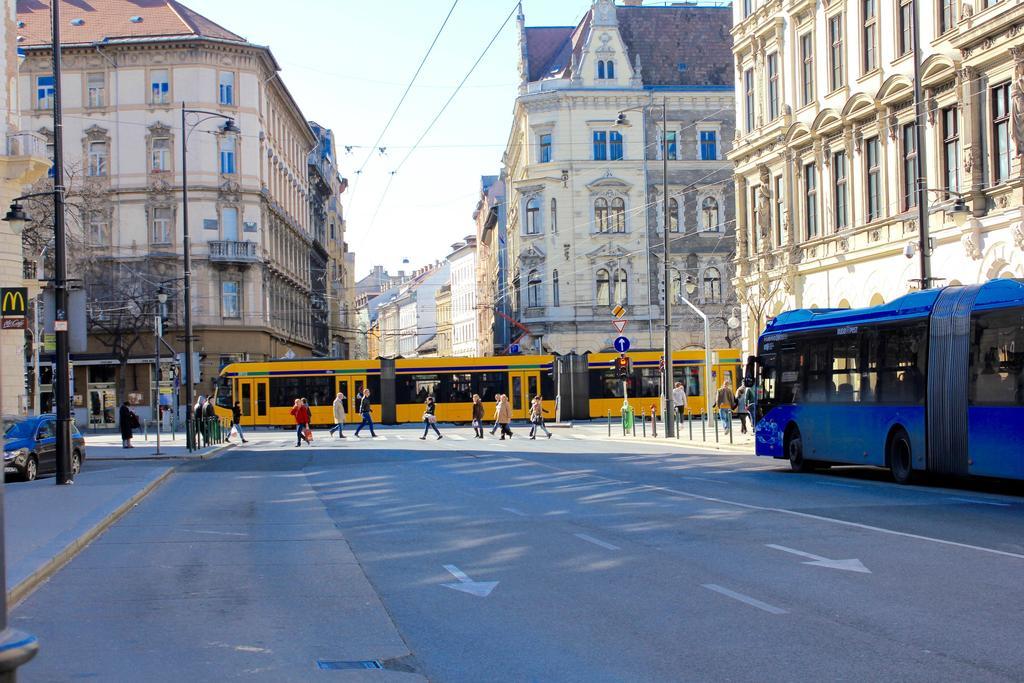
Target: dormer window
[[605, 70]]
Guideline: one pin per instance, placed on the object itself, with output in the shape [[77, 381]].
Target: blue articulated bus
[[931, 382]]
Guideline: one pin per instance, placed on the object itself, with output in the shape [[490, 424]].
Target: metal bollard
[[654, 422], [689, 419], [703, 426], [716, 429], [609, 424], [643, 422], [731, 425], [634, 422]]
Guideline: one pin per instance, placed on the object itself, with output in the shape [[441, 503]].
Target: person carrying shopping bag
[[537, 417], [726, 402], [504, 414], [430, 418], [478, 417], [236, 422], [301, 415], [339, 415], [497, 409], [743, 406]]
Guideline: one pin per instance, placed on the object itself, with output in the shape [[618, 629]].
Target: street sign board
[[621, 344], [514, 348], [13, 307], [60, 325], [618, 311], [12, 324], [619, 325]]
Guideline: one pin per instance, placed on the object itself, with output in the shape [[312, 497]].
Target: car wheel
[[901, 457], [795, 452], [76, 463], [31, 469]]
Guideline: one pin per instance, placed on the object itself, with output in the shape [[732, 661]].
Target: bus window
[[902, 354], [846, 370], [817, 354], [997, 363]]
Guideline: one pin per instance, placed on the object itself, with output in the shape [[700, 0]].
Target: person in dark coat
[[478, 417], [236, 422], [430, 418], [366, 410], [126, 420]]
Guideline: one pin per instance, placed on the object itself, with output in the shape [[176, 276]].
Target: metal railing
[[26, 143], [234, 251], [209, 431]]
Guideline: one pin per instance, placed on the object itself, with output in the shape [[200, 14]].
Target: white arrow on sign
[[480, 589], [819, 561], [620, 325]]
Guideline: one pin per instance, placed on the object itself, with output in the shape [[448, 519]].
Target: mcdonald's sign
[[13, 307]]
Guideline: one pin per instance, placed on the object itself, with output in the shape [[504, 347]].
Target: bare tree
[[757, 297]]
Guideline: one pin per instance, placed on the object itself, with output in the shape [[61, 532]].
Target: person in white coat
[[339, 415]]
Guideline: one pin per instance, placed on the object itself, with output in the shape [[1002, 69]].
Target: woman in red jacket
[[301, 414]]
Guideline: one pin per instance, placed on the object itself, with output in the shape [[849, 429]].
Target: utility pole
[[62, 382], [187, 246], [669, 413], [920, 166]]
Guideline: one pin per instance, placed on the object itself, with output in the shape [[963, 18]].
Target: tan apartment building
[[826, 150]]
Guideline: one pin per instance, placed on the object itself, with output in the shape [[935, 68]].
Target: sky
[[347, 63]]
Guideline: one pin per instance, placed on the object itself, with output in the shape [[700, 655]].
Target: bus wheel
[[795, 451], [900, 457]]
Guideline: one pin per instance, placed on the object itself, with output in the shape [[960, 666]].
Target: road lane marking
[[480, 589], [514, 511], [218, 533], [852, 565], [597, 541], [745, 599], [457, 437], [842, 486], [981, 502]]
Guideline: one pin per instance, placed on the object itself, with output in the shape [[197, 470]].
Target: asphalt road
[[574, 559]]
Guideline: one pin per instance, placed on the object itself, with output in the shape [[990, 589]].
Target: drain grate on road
[[342, 665]]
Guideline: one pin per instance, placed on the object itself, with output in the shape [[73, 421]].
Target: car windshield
[[17, 429]]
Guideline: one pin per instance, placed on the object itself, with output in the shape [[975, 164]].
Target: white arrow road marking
[[514, 511], [745, 599], [480, 589], [981, 502], [597, 541], [819, 561]]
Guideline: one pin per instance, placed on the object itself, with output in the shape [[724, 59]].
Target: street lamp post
[[229, 127], [920, 168], [158, 333], [691, 287]]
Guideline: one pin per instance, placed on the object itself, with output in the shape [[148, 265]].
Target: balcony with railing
[[26, 144], [233, 251]]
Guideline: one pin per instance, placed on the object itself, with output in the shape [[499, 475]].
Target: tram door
[[352, 387], [523, 386], [252, 395]]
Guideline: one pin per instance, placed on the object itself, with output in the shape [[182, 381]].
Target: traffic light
[[623, 366]]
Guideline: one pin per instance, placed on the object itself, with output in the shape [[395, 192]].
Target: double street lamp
[[228, 127]]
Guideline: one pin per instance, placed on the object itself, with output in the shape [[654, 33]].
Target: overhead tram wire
[[405, 94], [437, 118]]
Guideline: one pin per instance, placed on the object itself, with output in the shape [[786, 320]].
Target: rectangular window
[[227, 155], [869, 54], [839, 177], [748, 7], [874, 178], [161, 225], [161, 157], [229, 223], [44, 92], [159, 86], [708, 145], [951, 148], [97, 159], [1001, 132], [99, 229], [909, 140], [600, 145], [777, 191], [671, 145], [545, 148], [230, 295], [773, 86], [807, 69], [752, 218], [905, 36], [615, 145], [811, 207], [997, 365], [748, 98], [947, 15], [227, 87], [97, 87], [835, 33]]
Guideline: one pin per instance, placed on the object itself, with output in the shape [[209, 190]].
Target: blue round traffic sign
[[621, 344]]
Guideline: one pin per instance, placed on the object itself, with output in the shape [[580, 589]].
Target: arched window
[[532, 216], [709, 214], [712, 286], [554, 288], [533, 289], [610, 69], [604, 297], [673, 215], [621, 287], [618, 215], [600, 69], [676, 289], [554, 215], [877, 299], [601, 214]]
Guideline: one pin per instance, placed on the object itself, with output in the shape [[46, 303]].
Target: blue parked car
[[30, 446]]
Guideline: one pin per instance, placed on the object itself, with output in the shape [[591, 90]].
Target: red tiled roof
[[680, 45], [112, 19]]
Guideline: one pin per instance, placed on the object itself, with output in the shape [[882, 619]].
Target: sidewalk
[[101, 447], [741, 443], [46, 524]]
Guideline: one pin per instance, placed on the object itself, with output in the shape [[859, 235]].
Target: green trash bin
[[627, 418]]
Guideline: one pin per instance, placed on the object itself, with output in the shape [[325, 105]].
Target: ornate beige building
[[584, 197], [260, 226], [825, 149]]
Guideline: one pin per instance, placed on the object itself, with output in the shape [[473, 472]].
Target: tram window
[[373, 384], [689, 375], [224, 396], [460, 389], [415, 388], [997, 358], [532, 388], [261, 399], [246, 399], [547, 386], [319, 391], [604, 384], [490, 384], [649, 385]]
